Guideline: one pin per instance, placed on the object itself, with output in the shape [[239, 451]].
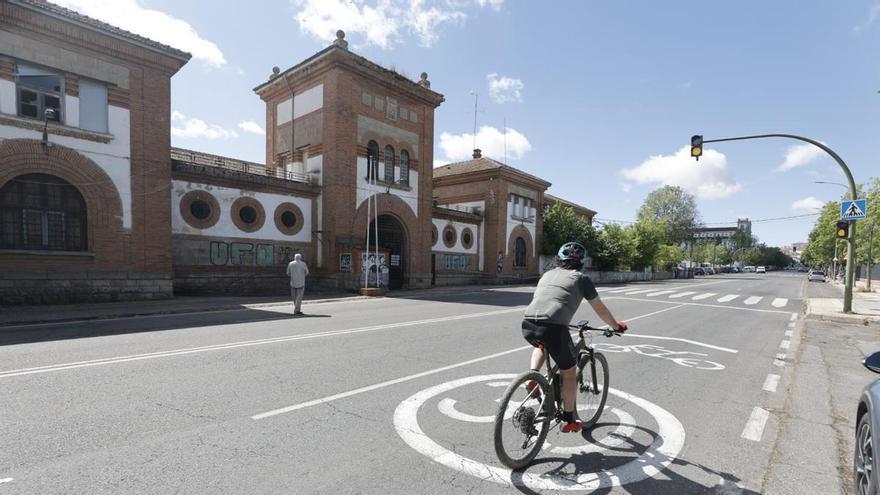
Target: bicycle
[[532, 410]]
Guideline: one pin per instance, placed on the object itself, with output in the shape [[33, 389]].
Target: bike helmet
[[573, 252]]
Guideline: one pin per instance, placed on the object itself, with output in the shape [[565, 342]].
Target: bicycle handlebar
[[583, 325]]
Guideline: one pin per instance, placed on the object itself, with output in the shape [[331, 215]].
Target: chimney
[[477, 153]]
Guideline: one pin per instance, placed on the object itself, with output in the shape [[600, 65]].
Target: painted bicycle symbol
[[681, 358]]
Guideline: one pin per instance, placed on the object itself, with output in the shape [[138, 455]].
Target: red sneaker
[[573, 427]]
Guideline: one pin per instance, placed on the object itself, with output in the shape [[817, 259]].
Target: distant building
[[795, 250], [724, 235]]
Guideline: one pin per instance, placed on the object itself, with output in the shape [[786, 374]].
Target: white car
[[761, 269], [816, 275], [749, 269]]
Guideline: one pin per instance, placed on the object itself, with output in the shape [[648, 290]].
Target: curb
[[851, 319]]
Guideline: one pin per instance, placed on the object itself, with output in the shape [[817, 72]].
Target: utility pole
[[851, 237]]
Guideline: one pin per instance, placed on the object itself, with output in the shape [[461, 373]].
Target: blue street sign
[[853, 209]]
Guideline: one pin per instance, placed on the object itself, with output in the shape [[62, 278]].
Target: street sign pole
[[851, 238]]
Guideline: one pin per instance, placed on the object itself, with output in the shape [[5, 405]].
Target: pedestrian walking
[[297, 270]]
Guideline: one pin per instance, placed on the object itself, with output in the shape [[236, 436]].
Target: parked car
[[709, 270], [817, 275], [866, 464], [749, 269], [761, 269], [699, 271], [735, 270]]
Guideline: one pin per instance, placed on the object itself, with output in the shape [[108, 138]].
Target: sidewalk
[[865, 305]]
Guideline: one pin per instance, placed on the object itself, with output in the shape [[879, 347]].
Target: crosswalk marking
[[754, 429], [705, 295], [753, 300], [642, 291], [681, 294], [779, 302], [660, 293], [727, 298]]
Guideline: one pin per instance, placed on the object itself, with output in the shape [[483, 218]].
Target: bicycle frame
[[584, 346]]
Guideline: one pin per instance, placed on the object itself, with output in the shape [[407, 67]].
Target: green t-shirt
[[559, 294]]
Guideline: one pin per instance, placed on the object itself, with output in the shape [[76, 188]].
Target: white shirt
[[297, 271]]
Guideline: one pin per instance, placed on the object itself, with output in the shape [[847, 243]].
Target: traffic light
[[842, 229], [697, 146]]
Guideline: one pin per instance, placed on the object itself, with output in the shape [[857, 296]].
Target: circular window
[[434, 236], [248, 214], [289, 219], [199, 209], [449, 236], [467, 238]]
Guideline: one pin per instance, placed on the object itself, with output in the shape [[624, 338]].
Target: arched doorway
[[392, 237]]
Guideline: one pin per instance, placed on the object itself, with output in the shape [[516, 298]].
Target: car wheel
[[863, 458]]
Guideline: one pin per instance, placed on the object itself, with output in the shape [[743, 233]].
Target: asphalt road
[[393, 395]]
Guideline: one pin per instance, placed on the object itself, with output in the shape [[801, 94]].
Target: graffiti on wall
[[373, 267], [456, 262], [249, 254]]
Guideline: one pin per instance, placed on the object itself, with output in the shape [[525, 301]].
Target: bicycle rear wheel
[[523, 420], [591, 395]]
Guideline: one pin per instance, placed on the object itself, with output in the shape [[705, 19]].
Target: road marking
[[704, 296], [662, 301], [794, 316], [677, 339], [666, 445], [403, 379], [791, 325], [779, 302], [785, 344], [681, 294], [642, 291], [246, 343], [660, 293], [771, 383], [753, 300], [728, 298], [723, 488], [5, 480], [754, 429], [788, 333], [621, 434]]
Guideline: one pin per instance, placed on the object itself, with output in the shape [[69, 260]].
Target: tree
[[615, 248], [667, 256], [676, 208], [562, 224], [820, 244], [646, 238]]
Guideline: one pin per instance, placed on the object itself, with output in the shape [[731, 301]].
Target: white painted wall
[[225, 227], [7, 97], [306, 102], [364, 189], [315, 167], [114, 158], [480, 232], [71, 111], [440, 246]]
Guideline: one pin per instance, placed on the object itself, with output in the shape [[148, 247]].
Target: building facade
[[102, 208]]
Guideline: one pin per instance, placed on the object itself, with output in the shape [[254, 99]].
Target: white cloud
[[251, 127], [152, 24], [504, 89], [193, 128], [707, 179], [873, 15], [383, 23], [490, 140], [809, 204], [440, 163], [626, 187], [800, 155]]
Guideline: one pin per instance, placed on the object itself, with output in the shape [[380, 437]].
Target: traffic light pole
[[851, 237]]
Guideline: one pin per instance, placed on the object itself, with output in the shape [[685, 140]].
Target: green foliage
[[820, 243], [667, 256], [561, 225], [676, 208], [615, 250], [646, 238]]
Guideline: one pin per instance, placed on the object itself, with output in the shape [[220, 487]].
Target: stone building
[[84, 211], [104, 209]]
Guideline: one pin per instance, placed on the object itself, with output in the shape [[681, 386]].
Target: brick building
[[84, 213], [105, 209]]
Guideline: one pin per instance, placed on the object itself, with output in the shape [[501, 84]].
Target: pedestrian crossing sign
[[853, 209]]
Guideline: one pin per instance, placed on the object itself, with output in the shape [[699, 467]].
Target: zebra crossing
[[663, 292]]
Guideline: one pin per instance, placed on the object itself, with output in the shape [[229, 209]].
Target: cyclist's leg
[[562, 350]]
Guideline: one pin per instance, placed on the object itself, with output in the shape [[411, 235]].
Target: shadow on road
[[151, 323]]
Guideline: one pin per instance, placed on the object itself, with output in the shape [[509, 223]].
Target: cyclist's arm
[[604, 313]]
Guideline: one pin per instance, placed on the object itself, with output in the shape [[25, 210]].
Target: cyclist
[[546, 321]]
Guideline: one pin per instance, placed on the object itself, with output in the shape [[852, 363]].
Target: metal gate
[[393, 238]]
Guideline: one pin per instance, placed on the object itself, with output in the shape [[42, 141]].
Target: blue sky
[[599, 97]]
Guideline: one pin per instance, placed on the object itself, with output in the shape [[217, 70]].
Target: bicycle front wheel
[[523, 420], [591, 393]]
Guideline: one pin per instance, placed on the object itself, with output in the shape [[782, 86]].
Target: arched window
[[519, 249], [389, 163], [42, 212], [404, 167], [372, 160]]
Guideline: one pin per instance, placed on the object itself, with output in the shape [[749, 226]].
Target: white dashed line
[[704, 296], [771, 383], [728, 298], [779, 302], [754, 429], [681, 294], [785, 344], [753, 300], [780, 360], [792, 324], [788, 333], [794, 316], [659, 293], [5, 480]]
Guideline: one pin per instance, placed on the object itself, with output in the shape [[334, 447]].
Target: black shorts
[[555, 338]]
